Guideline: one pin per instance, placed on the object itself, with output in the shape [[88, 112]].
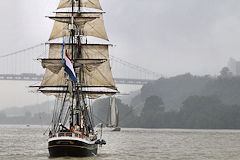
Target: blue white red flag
[[68, 67]]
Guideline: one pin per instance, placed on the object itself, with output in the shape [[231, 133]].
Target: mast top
[[82, 3]]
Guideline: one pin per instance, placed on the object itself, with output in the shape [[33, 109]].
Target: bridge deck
[[35, 77]]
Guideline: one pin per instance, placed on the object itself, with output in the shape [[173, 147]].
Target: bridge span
[[35, 77], [22, 65]]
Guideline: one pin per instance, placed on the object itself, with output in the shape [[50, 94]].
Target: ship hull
[[117, 129], [71, 147]]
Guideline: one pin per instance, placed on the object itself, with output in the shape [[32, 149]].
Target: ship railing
[[70, 134]]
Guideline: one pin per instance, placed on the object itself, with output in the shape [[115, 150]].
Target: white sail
[[113, 112], [96, 66], [51, 79], [96, 28], [101, 75], [93, 28], [93, 63], [59, 30], [55, 78]]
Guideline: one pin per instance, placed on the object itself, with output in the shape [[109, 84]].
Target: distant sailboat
[[113, 118]]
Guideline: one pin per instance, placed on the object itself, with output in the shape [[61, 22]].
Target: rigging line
[[20, 51], [139, 68], [54, 116], [99, 119], [127, 114], [60, 115], [91, 111], [56, 113], [58, 120], [67, 116], [49, 126]]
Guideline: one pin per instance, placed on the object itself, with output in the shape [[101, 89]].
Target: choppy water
[[28, 143]]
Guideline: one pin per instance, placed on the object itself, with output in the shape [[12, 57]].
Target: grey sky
[[169, 37]]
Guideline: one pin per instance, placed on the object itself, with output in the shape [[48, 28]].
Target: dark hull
[[71, 148], [117, 129]]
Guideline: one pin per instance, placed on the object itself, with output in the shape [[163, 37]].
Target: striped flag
[[68, 67]]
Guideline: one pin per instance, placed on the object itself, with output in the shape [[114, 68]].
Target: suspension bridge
[[23, 65]]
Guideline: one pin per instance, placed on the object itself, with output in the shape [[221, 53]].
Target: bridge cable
[[136, 67], [23, 50]]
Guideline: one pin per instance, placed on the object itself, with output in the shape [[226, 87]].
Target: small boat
[[113, 116], [117, 129]]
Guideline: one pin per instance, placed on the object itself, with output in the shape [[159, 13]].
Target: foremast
[[90, 60]]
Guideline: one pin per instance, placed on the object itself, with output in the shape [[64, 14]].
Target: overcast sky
[[169, 37]]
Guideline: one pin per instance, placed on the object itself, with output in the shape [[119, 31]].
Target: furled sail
[[84, 3]]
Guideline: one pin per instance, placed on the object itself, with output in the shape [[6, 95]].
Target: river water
[[29, 143]]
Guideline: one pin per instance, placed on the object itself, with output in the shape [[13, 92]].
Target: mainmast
[[72, 92], [78, 107]]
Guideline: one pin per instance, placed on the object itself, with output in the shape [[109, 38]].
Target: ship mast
[[78, 115], [72, 36], [80, 108]]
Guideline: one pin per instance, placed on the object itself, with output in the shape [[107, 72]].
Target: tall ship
[[113, 115], [77, 71]]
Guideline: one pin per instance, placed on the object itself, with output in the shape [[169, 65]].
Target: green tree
[[153, 104], [225, 72], [152, 113]]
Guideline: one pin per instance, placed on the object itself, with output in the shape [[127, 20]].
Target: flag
[[68, 67], [63, 49]]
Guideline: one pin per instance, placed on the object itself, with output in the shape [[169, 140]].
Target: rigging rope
[[136, 67], [20, 51]]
